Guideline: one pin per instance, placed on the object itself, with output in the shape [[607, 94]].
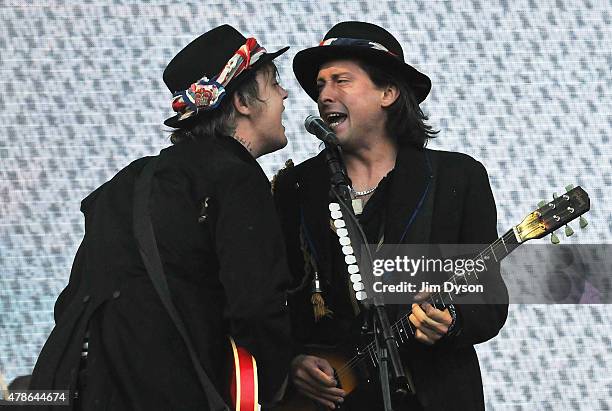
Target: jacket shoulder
[[123, 177], [459, 165], [312, 164], [455, 158], [291, 174], [207, 163]]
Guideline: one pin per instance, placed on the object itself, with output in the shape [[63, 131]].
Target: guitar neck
[[500, 248], [492, 254], [403, 328]]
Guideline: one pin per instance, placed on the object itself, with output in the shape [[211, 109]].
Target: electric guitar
[[350, 368], [243, 387]]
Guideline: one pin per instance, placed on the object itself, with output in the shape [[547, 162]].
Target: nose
[[326, 94], [284, 93]]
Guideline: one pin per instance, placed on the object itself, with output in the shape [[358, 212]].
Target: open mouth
[[335, 119]]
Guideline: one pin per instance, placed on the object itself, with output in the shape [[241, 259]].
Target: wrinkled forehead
[[337, 66]]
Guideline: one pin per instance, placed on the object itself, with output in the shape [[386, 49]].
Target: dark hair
[[406, 122], [222, 120]]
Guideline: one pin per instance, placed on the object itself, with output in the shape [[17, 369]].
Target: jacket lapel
[[408, 185]]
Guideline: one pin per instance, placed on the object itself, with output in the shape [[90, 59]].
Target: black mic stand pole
[[338, 176], [386, 344]]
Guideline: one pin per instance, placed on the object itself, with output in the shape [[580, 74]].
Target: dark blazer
[[227, 276], [447, 375]]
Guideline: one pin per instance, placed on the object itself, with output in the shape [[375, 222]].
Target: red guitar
[[243, 384]]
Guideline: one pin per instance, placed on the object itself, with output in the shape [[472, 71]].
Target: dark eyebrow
[[335, 76]]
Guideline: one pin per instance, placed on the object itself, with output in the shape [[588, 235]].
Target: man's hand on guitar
[[431, 324], [314, 378]]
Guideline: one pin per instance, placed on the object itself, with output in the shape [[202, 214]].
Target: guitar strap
[[147, 246], [418, 230], [423, 223]]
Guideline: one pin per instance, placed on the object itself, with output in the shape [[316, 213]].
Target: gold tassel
[[310, 266], [318, 305]]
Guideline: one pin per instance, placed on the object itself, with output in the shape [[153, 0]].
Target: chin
[[283, 142], [342, 135], [343, 139], [276, 145], [279, 146]]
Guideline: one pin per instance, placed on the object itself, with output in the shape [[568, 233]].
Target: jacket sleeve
[[79, 263], [253, 271], [481, 322], [288, 209]]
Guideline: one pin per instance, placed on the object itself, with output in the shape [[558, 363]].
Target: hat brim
[[175, 121], [306, 64]]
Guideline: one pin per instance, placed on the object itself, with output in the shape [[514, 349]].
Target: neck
[[245, 136], [367, 166], [246, 143]]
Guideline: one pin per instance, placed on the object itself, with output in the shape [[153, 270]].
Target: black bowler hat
[[356, 39], [207, 56]]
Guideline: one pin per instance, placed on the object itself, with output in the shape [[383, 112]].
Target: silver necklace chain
[[364, 192]]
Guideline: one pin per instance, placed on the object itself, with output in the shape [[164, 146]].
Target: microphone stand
[[386, 344]]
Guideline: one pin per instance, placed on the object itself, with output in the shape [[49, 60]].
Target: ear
[[240, 105], [390, 94]]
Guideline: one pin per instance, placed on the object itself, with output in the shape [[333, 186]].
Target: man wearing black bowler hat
[[402, 194], [218, 240]]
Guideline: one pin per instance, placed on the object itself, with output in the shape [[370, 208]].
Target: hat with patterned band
[[365, 41], [209, 68]]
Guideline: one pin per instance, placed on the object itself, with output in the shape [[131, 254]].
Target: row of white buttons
[[347, 250]]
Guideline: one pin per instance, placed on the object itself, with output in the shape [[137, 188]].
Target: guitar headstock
[[555, 214]]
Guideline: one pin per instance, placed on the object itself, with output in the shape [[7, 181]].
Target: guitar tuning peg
[[569, 187], [568, 231], [541, 204], [554, 239], [583, 222], [555, 195]]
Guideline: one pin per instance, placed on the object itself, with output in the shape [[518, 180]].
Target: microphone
[[316, 126]]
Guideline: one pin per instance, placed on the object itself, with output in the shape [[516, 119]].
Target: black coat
[[447, 375], [227, 276]]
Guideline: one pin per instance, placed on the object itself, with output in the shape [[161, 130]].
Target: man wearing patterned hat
[[402, 194], [212, 221]]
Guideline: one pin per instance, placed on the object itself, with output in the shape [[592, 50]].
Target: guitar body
[[243, 380], [348, 379], [243, 389]]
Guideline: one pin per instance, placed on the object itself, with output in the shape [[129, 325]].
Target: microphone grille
[[310, 120]]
